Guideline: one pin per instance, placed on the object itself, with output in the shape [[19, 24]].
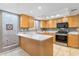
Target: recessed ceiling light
[[39, 7], [31, 11], [47, 17], [51, 16], [57, 15]]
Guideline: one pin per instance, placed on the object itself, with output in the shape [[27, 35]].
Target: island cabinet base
[[37, 48]]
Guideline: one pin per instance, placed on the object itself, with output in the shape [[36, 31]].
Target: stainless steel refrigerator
[[9, 26]]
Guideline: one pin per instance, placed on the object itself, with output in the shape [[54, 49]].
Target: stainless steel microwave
[[62, 25]]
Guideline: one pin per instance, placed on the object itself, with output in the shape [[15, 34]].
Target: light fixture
[[52, 16], [47, 17], [39, 8], [57, 15], [31, 12]]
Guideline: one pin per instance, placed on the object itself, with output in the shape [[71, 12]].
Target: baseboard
[[9, 47]]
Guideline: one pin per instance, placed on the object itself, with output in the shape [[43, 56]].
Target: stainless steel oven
[[61, 38], [61, 35]]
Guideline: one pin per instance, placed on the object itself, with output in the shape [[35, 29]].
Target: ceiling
[[38, 9]]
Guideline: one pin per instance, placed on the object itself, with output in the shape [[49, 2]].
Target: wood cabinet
[[64, 19], [31, 22], [26, 21], [48, 24], [44, 24], [52, 24], [37, 47], [73, 21], [73, 40], [59, 20], [52, 34]]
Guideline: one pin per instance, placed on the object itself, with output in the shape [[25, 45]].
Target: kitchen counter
[[35, 36], [74, 33], [36, 44], [46, 31], [50, 34]]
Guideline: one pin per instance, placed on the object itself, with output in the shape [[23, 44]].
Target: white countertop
[[35, 36], [47, 31], [75, 33]]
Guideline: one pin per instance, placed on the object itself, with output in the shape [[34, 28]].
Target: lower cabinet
[[53, 34], [73, 40], [37, 47]]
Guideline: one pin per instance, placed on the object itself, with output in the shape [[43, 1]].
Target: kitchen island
[[36, 44]]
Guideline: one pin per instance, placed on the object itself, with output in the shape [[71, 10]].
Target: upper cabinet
[[26, 21], [64, 19], [48, 24], [52, 23], [73, 21], [59, 20], [31, 22], [43, 24]]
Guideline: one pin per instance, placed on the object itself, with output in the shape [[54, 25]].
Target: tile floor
[[58, 51], [15, 52], [65, 51]]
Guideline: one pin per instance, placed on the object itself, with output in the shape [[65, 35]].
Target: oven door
[[61, 38]]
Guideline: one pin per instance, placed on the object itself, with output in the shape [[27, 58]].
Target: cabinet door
[[46, 24], [64, 19], [50, 24], [24, 21], [43, 24], [59, 20], [73, 40], [73, 21], [31, 23], [54, 24], [52, 34]]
